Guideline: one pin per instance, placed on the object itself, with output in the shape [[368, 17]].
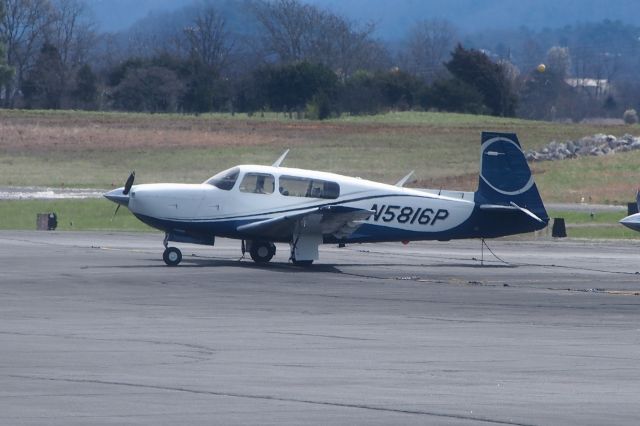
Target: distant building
[[593, 86]]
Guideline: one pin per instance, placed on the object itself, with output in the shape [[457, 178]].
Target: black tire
[[172, 256], [262, 251], [302, 262]]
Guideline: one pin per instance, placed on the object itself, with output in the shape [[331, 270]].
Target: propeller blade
[[129, 183], [115, 213]]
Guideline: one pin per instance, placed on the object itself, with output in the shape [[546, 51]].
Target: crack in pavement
[[190, 346], [281, 399]]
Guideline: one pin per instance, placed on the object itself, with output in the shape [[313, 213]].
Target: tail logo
[[504, 168]]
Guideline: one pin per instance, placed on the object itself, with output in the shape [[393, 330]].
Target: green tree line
[[292, 57]]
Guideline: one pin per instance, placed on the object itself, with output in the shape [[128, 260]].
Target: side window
[[257, 183], [330, 190], [293, 186]]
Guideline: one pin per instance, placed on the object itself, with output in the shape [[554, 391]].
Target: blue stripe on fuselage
[[481, 224]]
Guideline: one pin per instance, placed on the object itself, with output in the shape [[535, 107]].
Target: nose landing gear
[[172, 256]]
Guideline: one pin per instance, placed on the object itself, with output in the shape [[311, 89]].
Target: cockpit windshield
[[225, 180]]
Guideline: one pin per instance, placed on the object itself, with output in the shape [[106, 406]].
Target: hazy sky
[[394, 16]]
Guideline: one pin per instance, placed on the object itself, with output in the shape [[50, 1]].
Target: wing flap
[[342, 222], [275, 227], [339, 221]]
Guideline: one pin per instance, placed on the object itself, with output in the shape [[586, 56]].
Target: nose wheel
[[172, 256]]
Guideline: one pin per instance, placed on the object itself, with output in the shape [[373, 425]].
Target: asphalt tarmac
[[94, 329]]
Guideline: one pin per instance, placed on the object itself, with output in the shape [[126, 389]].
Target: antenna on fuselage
[[404, 180], [280, 160]]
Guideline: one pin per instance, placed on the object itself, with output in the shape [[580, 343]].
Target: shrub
[[319, 108], [630, 116]]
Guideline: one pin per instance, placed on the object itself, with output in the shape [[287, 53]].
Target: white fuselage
[[394, 208]]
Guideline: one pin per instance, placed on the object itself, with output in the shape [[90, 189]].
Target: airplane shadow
[[247, 264], [188, 262]]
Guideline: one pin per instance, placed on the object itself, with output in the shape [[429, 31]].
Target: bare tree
[[345, 47], [207, 38], [428, 46], [142, 44], [290, 26], [23, 29], [72, 34], [531, 54], [594, 68], [6, 72], [294, 31], [559, 61], [157, 35]]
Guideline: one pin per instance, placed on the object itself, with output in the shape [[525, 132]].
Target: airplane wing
[[338, 221]]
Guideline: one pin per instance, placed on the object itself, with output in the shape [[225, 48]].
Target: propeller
[[129, 183], [127, 188]]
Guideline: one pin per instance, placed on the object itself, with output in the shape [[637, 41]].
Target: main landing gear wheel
[[172, 256], [262, 251]]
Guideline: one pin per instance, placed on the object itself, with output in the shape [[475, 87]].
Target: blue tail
[[506, 182]]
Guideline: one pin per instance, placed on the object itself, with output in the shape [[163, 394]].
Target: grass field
[[98, 150], [598, 225], [73, 215], [94, 149]]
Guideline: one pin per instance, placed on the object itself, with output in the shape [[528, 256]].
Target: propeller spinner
[[121, 196]]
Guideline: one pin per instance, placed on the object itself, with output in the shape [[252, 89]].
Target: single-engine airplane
[[261, 205]]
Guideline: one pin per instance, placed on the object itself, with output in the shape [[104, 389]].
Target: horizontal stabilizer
[[513, 207], [280, 159], [404, 180], [632, 222], [527, 212]]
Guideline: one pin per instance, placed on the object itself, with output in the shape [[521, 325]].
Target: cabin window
[[293, 186], [225, 180], [257, 183]]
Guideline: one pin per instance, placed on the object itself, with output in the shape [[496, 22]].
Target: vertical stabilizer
[[505, 177]]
